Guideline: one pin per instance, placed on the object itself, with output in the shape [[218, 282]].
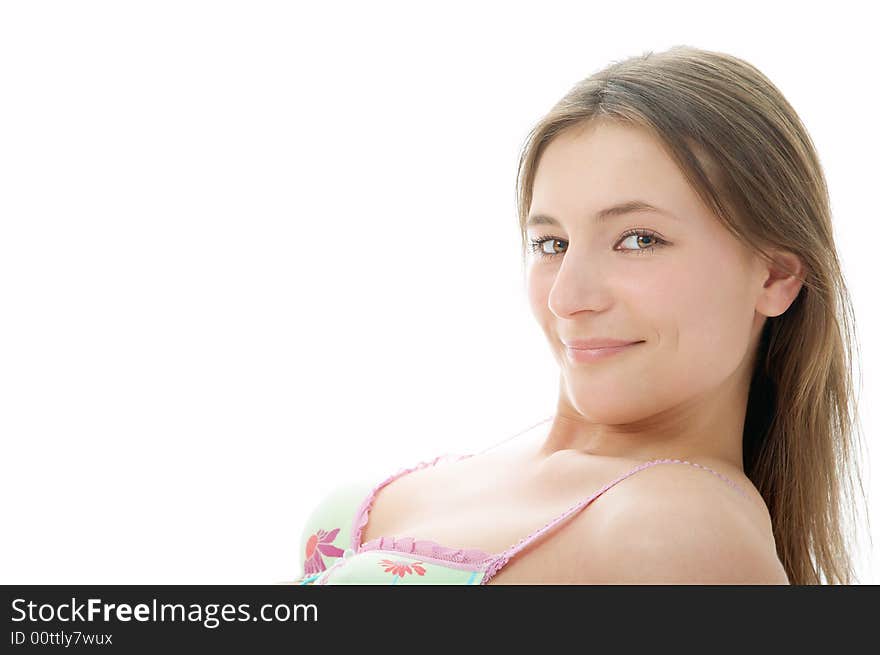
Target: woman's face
[[686, 287]]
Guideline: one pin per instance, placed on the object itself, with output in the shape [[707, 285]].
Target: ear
[[782, 280]]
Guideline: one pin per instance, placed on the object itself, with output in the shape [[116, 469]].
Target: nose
[[579, 286]]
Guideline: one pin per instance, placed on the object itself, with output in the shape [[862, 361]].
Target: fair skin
[[698, 300], [698, 304]]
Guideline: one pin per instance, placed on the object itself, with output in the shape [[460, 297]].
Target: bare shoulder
[[678, 525]]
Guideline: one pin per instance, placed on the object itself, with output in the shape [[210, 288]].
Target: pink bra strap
[[503, 557]]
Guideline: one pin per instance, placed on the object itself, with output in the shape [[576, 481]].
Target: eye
[[642, 238], [537, 246], [639, 238]]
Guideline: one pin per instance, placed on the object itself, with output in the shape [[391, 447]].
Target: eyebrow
[[627, 207]]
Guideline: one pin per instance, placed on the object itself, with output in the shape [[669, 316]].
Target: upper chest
[[493, 502]]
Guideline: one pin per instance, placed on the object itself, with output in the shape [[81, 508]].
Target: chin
[[604, 411]]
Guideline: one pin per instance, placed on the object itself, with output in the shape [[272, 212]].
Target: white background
[[250, 250]]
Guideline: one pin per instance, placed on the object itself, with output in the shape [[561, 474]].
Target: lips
[[596, 343], [590, 355]]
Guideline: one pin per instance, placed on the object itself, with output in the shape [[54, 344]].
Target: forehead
[[587, 168]]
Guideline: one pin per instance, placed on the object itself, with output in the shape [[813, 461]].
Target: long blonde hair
[[745, 152]]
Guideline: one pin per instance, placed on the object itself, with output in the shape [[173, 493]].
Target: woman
[[680, 260]]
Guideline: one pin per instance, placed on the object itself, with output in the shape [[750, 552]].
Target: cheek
[[539, 282], [712, 318]]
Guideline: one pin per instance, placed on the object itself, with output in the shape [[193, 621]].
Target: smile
[[587, 355]]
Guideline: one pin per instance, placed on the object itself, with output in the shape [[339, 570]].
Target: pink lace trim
[[494, 566], [459, 558]]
